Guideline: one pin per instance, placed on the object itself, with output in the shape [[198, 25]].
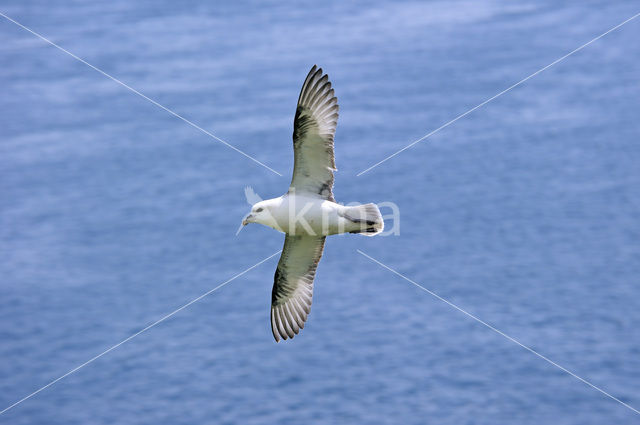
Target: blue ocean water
[[525, 213]]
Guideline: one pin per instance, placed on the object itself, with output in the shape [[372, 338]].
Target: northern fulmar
[[308, 212]]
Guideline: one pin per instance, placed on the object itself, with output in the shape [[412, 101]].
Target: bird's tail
[[368, 217]]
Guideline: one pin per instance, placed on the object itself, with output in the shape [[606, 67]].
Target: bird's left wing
[[313, 130], [293, 284]]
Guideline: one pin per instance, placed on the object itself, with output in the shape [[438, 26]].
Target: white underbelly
[[312, 216]]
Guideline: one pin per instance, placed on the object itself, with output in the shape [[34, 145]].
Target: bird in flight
[[308, 212]]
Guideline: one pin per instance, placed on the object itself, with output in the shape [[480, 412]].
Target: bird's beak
[[247, 219]]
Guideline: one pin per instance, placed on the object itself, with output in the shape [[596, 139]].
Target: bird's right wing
[[293, 284]]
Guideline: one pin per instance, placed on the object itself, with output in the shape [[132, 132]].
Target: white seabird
[[308, 212]]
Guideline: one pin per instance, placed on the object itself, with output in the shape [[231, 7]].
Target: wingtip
[[274, 331], [315, 71]]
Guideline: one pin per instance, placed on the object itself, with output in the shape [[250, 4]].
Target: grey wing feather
[[292, 292], [314, 129]]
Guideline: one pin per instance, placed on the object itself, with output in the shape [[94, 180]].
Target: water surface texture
[[525, 213]]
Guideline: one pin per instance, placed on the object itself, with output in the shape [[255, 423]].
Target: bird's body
[[308, 212], [304, 214]]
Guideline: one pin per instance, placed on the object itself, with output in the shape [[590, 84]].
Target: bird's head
[[263, 212], [259, 214]]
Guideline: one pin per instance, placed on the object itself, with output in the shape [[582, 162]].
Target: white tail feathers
[[368, 217]]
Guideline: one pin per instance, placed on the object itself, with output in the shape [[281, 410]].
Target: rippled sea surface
[[525, 213]]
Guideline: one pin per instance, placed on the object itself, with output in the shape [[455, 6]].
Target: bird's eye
[[259, 210]]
